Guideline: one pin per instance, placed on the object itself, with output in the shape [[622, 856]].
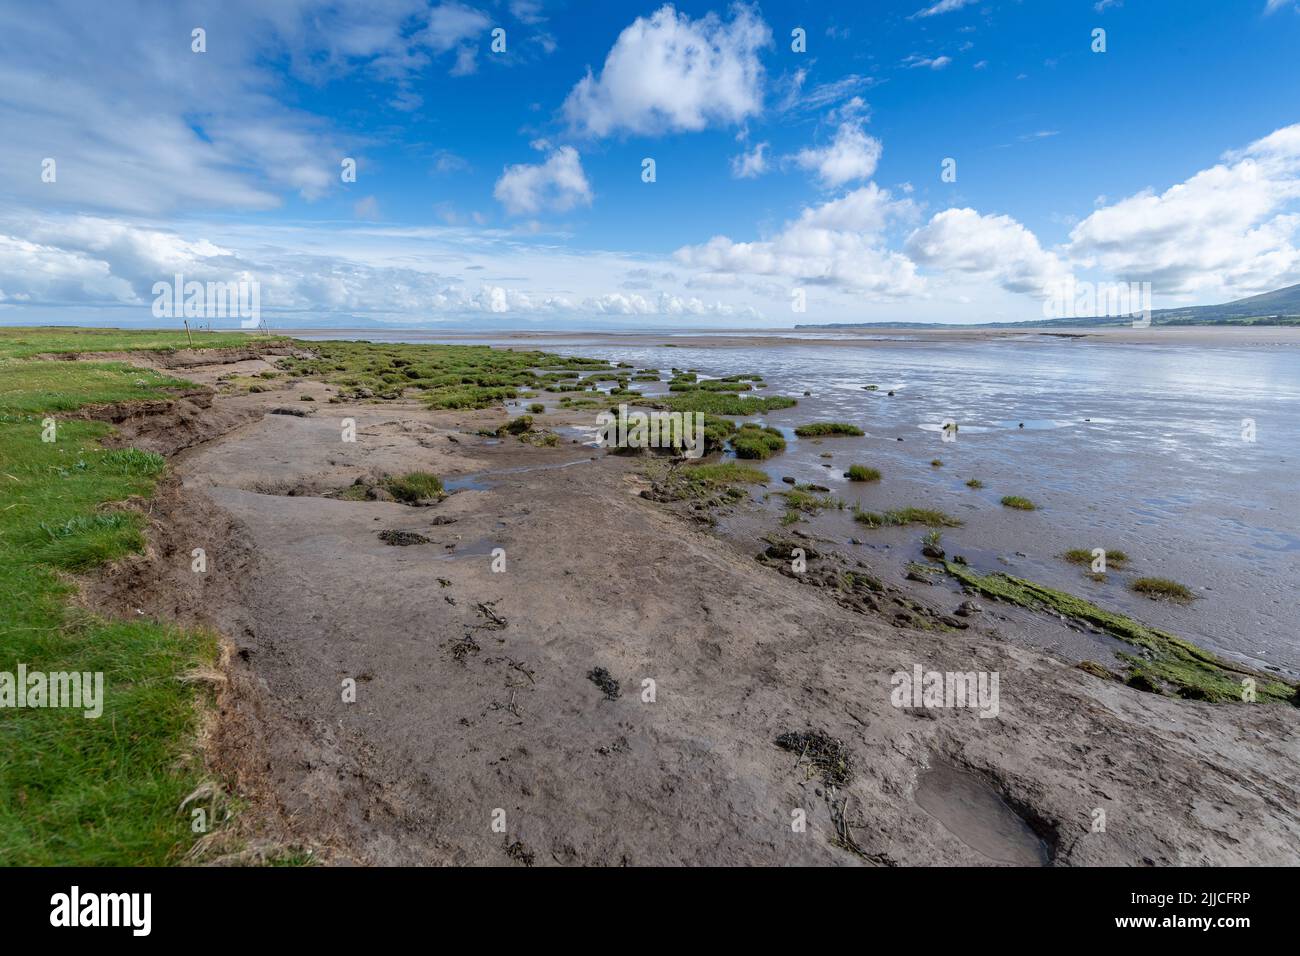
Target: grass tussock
[[1114, 559], [1018, 503], [821, 429], [757, 442], [416, 487], [862, 473], [929, 517], [1162, 589]]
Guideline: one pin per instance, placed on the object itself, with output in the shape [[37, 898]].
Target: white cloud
[[942, 6], [852, 155], [454, 26], [992, 247], [1228, 229], [306, 273], [671, 73], [838, 243], [556, 185], [184, 130], [752, 164], [1274, 6], [916, 61]]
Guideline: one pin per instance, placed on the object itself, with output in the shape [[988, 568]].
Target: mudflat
[[552, 667]]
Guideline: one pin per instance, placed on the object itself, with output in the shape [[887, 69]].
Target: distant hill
[[1280, 307]]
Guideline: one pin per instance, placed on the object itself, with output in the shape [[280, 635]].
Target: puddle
[[477, 548], [465, 483], [972, 811], [479, 481]]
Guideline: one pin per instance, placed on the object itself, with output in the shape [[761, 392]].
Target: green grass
[[536, 408], [719, 403], [24, 342], [757, 442], [1114, 559], [905, 516], [415, 487], [727, 473], [974, 483], [442, 376], [818, 429], [1018, 503], [1165, 660], [51, 387], [1162, 589], [862, 473], [77, 791]]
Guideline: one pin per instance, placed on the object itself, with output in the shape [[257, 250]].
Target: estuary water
[[1182, 456]]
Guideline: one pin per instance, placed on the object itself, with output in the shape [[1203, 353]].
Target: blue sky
[[505, 188]]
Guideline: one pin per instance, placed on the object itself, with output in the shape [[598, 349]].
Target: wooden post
[[187, 332]]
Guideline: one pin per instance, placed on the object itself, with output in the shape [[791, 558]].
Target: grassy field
[[74, 790], [24, 342]]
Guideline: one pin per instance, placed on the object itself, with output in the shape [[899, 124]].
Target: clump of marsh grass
[[819, 429], [1114, 559], [974, 483], [862, 473], [1162, 589], [929, 517], [416, 487], [1019, 503], [756, 442]]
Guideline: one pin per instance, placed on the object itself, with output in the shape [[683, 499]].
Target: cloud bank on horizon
[[532, 161]]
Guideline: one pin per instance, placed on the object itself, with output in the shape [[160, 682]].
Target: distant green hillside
[[1280, 307]]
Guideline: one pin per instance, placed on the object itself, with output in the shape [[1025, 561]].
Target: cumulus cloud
[[556, 185], [669, 73], [1231, 228], [851, 155], [838, 243], [993, 247], [751, 164]]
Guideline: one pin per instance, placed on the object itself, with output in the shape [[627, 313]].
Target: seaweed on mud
[[518, 852], [826, 755], [401, 539], [605, 681], [1163, 662]]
